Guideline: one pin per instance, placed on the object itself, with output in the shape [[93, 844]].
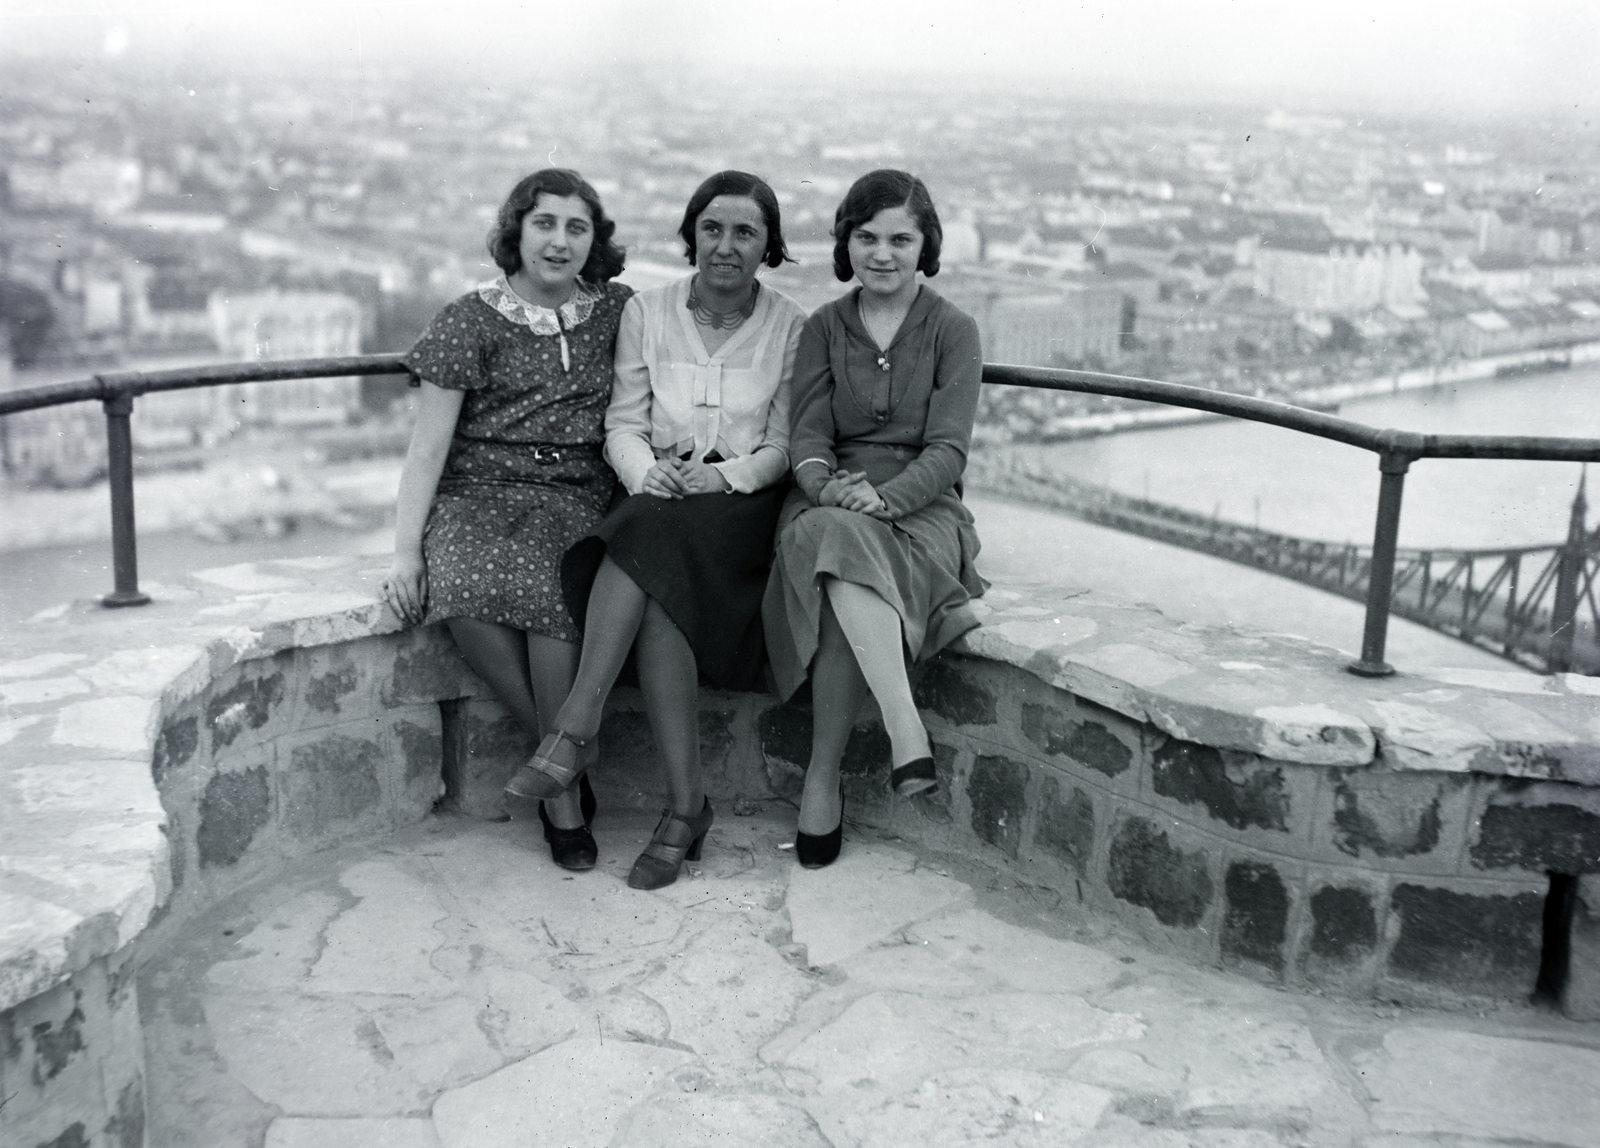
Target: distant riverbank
[[1333, 395]]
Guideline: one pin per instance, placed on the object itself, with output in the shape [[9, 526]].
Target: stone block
[[233, 809], [1144, 867], [72, 1064], [426, 667], [1091, 738], [487, 747], [1240, 790], [1065, 824], [252, 703], [867, 754], [1539, 827], [419, 782], [784, 734], [331, 782], [1255, 920], [1581, 999], [1396, 821], [1344, 924], [716, 727], [1478, 940], [626, 740], [953, 688], [997, 791], [937, 805], [176, 743], [341, 682]]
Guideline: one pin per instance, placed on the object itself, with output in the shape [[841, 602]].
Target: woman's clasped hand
[[852, 492], [678, 477]]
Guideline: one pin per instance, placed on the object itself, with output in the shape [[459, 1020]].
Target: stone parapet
[[1237, 797]]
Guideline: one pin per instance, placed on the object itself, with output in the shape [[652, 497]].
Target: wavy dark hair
[[877, 190], [505, 237], [737, 183]]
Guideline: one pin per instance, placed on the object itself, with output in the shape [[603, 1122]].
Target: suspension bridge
[[1536, 605]]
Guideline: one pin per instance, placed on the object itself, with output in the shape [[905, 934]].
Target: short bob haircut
[[874, 192], [505, 237], [737, 183]]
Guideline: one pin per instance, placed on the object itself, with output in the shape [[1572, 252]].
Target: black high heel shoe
[[676, 840], [574, 849], [914, 777], [816, 850]]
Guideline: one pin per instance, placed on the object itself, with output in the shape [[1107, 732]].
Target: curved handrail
[[1396, 449], [110, 384], [113, 384], [1379, 440]]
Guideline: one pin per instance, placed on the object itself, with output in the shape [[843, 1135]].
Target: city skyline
[[1418, 55]]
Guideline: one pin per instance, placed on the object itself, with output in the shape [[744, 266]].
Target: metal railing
[[1396, 450]]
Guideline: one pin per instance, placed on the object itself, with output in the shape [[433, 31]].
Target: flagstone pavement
[[448, 987]]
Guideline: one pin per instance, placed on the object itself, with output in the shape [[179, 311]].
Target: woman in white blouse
[[698, 433]]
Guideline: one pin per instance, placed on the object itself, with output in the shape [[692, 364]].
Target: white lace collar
[[540, 320]]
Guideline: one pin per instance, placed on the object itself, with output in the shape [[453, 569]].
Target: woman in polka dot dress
[[505, 470]]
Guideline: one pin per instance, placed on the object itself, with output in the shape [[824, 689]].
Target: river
[[1297, 484]]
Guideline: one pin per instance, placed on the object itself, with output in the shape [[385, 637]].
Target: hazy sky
[[1449, 55]]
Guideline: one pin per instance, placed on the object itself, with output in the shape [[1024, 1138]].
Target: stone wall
[[1234, 797]]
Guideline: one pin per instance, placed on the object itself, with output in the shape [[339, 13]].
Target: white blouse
[[671, 397]]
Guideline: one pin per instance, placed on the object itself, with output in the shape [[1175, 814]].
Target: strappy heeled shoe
[[918, 776], [543, 777], [675, 840], [573, 849], [816, 850]]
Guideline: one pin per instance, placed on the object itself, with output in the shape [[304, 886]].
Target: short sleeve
[[450, 353]]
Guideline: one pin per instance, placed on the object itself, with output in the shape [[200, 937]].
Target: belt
[[548, 454]]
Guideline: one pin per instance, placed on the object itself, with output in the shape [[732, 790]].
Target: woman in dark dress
[[698, 431], [505, 470], [875, 562]]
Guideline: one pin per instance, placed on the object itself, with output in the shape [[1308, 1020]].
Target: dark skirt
[[704, 559]]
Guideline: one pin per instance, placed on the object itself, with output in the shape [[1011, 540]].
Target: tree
[[27, 311], [1343, 336]]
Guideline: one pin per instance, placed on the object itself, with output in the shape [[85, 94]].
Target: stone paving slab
[[451, 988]]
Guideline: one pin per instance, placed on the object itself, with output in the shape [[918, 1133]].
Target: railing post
[[124, 547], [1569, 567], [1380, 582]]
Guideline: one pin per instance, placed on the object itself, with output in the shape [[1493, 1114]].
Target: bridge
[[1535, 605]]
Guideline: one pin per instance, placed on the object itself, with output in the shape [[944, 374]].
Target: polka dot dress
[[524, 478]]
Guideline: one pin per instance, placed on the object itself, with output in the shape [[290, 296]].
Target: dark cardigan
[[925, 401]]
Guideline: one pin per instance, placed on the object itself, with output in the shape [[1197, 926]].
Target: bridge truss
[[1536, 605]]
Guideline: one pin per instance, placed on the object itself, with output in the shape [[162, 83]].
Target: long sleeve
[[812, 430], [769, 462], [952, 406], [628, 417]]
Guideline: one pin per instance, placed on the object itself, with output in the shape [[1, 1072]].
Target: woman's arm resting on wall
[[406, 587]]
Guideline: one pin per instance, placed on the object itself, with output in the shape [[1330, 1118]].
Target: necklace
[[722, 320]]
